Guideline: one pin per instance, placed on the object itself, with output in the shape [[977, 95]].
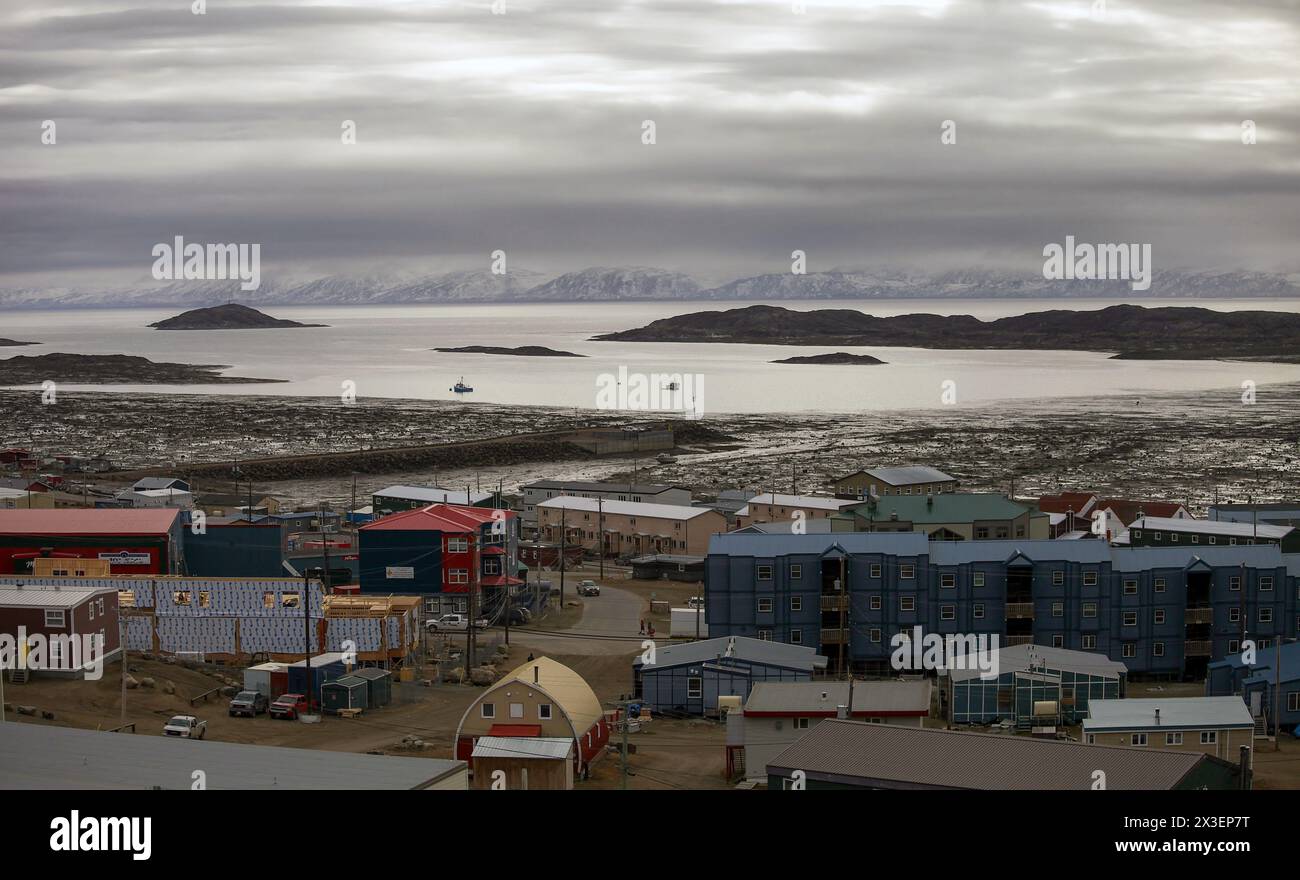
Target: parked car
[[185, 725], [696, 602], [453, 623], [289, 706], [250, 703], [588, 588]]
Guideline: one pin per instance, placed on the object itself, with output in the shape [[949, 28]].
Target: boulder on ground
[[229, 691], [168, 688], [148, 682], [47, 714], [131, 683], [25, 710], [455, 675], [482, 675]]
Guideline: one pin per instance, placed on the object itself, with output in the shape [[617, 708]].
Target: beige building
[[627, 528], [1217, 726], [540, 699], [774, 507], [917, 480]]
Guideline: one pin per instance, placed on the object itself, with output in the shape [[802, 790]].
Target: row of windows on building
[[1196, 539], [948, 580], [1087, 642], [56, 618], [765, 605], [515, 710], [1172, 738]]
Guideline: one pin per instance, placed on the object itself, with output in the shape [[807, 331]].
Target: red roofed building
[[1113, 516], [133, 541], [442, 551]]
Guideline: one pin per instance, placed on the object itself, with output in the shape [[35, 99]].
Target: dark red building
[[133, 541], [53, 613]]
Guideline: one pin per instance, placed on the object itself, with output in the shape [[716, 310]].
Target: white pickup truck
[[185, 725], [453, 623]]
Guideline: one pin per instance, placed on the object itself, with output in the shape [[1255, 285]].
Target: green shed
[[348, 692], [379, 684]]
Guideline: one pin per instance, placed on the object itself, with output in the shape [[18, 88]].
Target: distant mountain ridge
[[631, 283]]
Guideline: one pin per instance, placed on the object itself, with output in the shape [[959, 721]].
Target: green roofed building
[[955, 516]]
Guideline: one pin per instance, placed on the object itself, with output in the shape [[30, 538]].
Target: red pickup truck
[[289, 706]]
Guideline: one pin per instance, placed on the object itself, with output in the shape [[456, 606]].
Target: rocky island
[[7, 342], [112, 369], [521, 351], [837, 358], [1137, 332], [230, 316]]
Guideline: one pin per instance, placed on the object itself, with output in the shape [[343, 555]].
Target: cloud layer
[[523, 131]]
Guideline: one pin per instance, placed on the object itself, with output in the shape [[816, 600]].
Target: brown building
[[61, 619], [521, 763], [627, 528], [914, 480]]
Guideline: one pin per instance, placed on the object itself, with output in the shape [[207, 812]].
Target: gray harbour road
[[609, 625]]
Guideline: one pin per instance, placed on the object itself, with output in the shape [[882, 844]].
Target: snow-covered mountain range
[[640, 283]]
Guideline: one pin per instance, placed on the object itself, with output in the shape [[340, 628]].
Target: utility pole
[[121, 643], [1277, 695], [473, 589], [306, 632], [564, 536], [626, 723], [600, 530]]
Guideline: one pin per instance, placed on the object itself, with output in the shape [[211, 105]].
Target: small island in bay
[[112, 369], [1126, 331], [230, 316], [7, 342], [521, 351], [838, 357]]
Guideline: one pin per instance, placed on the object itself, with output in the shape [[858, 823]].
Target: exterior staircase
[[20, 676], [1261, 726]]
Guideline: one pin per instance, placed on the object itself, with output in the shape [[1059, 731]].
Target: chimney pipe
[[1157, 716], [842, 712], [536, 673], [1246, 768]]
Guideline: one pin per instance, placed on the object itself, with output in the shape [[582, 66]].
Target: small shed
[[522, 763], [379, 685], [348, 692], [268, 679]]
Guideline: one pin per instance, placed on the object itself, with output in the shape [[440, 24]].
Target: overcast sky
[[775, 131]]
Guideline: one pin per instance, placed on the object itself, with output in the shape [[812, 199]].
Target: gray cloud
[[775, 131]]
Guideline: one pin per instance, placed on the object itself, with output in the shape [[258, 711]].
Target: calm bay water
[[387, 352]]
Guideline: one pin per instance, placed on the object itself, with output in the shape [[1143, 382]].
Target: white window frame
[[55, 618]]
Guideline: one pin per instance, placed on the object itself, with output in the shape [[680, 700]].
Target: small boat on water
[[460, 387], [665, 458]]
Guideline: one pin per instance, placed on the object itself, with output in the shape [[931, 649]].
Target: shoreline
[[1104, 443]]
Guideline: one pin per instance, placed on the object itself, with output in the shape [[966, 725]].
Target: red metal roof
[[515, 730], [438, 517], [499, 581], [1128, 510], [1065, 502], [72, 521]]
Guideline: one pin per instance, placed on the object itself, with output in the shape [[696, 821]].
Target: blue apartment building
[[1162, 611]]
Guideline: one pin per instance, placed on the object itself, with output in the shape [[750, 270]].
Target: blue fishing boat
[[460, 387]]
